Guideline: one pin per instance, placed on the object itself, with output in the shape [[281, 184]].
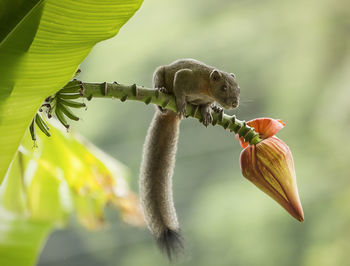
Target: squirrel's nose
[[235, 102]]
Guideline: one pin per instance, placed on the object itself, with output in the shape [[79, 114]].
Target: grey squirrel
[[190, 81]]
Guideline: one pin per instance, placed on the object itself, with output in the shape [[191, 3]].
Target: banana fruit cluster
[[60, 104]]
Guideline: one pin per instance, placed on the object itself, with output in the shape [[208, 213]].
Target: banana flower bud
[[269, 165]]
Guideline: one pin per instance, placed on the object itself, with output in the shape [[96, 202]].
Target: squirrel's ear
[[215, 75], [233, 75]]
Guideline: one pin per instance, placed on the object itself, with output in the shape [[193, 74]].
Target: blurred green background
[[292, 60]]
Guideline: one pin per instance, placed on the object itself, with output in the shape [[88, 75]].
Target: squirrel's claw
[[216, 108], [207, 119], [206, 114], [163, 90]]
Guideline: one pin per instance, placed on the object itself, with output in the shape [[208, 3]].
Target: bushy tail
[[156, 173], [170, 242]]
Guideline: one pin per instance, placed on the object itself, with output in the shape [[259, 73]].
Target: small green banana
[[69, 96], [67, 112], [32, 130], [42, 125], [60, 116], [70, 88], [72, 104], [53, 107]]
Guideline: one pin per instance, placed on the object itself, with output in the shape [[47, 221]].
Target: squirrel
[[190, 81]]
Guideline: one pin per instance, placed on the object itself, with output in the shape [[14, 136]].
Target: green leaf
[[41, 45], [63, 175], [22, 237], [66, 173], [21, 240]]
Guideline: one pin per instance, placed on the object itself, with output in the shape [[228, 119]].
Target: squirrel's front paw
[[216, 108], [207, 117], [163, 90]]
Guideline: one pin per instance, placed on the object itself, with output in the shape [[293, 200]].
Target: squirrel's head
[[224, 89]]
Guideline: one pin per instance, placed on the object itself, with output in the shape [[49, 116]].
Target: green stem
[[138, 93]]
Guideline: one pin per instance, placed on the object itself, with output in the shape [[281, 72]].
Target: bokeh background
[[292, 60]]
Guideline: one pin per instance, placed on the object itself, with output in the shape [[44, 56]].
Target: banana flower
[[269, 165]]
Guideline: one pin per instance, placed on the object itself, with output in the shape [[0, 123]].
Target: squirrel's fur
[[156, 179], [192, 82]]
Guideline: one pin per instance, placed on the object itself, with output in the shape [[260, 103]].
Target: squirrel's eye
[[223, 88]]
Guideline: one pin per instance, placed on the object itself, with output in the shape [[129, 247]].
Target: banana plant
[[42, 43]]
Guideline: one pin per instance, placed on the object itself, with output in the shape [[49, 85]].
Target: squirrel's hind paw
[[207, 118], [181, 109]]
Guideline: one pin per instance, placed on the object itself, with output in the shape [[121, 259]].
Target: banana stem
[[167, 101]]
